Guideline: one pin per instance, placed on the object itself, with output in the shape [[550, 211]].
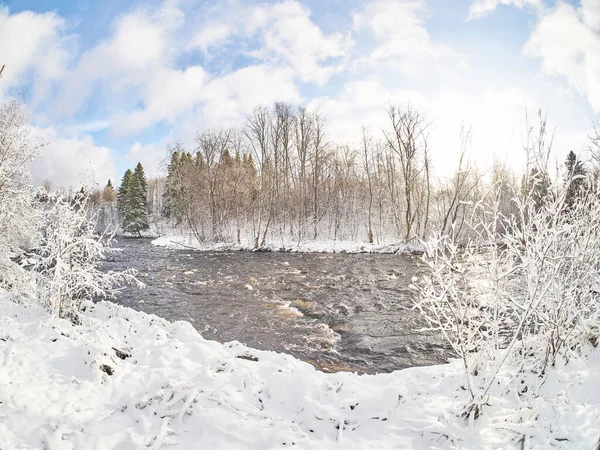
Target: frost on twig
[[67, 258], [522, 293]]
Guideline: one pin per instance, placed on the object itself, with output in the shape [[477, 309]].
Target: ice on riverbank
[[123, 379], [179, 241]]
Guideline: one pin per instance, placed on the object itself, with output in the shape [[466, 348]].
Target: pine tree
[[123, 196], [108, 194], [131, 207], [576, 178], [173, 196], [536, 185], [141, 177]]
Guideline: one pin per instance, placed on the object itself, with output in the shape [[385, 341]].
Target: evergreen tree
[[109, 194], [173, 197], [576, 178], [537, 185], [123, 196], [131, 207], [141, 177]]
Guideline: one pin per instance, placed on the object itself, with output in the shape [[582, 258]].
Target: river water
[[336, 311]]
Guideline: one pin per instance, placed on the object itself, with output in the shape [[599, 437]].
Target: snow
[[179, 241], [124, 380]]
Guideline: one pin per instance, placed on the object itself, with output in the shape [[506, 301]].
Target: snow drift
[[124, 380]]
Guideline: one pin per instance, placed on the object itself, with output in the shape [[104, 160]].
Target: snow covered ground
[[178, 241], [126, 380]]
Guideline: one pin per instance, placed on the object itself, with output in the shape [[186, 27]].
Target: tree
[[141, 177], [123, 194], [408, 142], [66, 259], [108, 194], [576, 178], [537, 186], [131, 207], [173, 202], [19, 211]]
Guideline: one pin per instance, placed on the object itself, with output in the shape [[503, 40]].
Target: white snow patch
[[179, 241], [127, 380]]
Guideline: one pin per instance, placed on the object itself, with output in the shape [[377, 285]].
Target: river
[[335, 311]]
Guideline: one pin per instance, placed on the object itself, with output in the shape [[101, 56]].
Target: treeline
[[280, 179]]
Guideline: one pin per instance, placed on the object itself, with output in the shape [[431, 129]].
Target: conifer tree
[[173, 196], [131, 207], [576, 173], [141, 177], [108, 194]]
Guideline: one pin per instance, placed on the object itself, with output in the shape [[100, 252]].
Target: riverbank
[[125, 379], [179, 241]]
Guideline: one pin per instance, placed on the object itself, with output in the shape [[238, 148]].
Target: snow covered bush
[[524, 292], [67, 259], [17, 209], [45, 240]]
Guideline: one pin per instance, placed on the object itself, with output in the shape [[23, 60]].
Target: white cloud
[[138, 62], [567, 42], [73, 162], [144, 73], [210, 36], [30, 40], [168, 94], [481, 8], [229, 97], [401, 39], [496, 118], [287, 34], [590, 10], [150, 156], [140, 43]]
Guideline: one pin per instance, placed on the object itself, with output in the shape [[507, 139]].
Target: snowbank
[[125, 380], [178, 241]]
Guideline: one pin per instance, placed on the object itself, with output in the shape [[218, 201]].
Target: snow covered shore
[[125, 380], [178, 241]]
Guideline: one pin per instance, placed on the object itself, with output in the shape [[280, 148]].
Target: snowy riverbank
[[123, 379], [179, 241]]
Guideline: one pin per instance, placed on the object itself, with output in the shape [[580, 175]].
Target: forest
[[280, 179]]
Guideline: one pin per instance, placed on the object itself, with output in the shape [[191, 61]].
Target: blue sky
[[110, 83]]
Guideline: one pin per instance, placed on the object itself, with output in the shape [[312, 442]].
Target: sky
[[112, 83]]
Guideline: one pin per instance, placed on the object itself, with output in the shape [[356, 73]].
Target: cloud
[[210, 36], [139, 74], [150, 156], [496, 118], [168, 94], [73, 162], [287, 35], [567, 42], [481, 8], [32, 41], [190, 68], [590, 11], [400, 39], [140, 43], [229, 97]]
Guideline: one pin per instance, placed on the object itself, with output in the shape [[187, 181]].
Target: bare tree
[[408, 140]]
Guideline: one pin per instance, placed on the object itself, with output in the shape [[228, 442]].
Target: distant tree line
[[280, 179]]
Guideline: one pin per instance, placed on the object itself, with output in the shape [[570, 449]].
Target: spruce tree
[[537, 185], [576, 173], [108, 194], [131, 207], [141, 177], [173, 196], [123, 196]]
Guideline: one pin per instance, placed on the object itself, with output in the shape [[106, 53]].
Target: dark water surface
[[337, 311]]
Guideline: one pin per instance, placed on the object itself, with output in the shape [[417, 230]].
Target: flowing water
[[336, 311]]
